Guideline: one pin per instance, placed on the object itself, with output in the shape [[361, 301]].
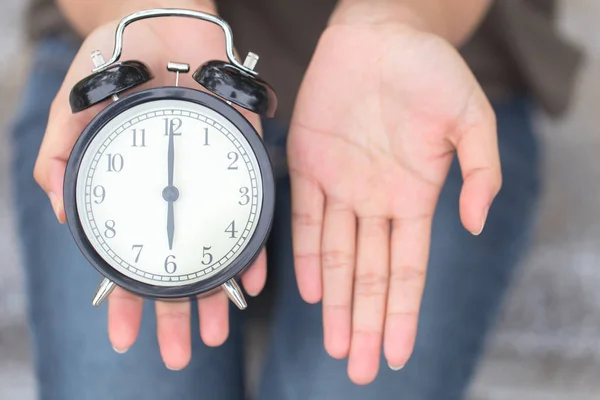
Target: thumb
[[62, 131], [61, 134], [476, 143]]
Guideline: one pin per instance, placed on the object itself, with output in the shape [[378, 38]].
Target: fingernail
[[395, 368], [253, 294], [172, 369], [485, 214], [56, 206], [120, 351]]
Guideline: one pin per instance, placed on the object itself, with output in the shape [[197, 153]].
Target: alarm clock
[[169, 191]]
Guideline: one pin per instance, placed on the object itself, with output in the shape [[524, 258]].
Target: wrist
[[453, 20], [365, 12], [87, 16], [126, 8]]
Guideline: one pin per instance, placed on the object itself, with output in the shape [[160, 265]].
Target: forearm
[[454, 20], [85, 16]]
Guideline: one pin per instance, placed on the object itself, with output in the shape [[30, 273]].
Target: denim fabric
[[467, 279]]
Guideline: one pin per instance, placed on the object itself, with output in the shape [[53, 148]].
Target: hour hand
[[170, 195], [171, 224]]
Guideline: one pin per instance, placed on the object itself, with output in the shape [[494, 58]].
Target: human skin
[[366, 174]]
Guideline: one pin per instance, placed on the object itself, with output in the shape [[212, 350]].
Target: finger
[[173, 329], [54, 151], [64, 128], [338, 260], [214, 318], [370, 294], [124, 319], [477, 149], [255, 278], [409, 254], [307, 222]]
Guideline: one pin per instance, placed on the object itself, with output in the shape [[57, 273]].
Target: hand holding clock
[[125, 309]]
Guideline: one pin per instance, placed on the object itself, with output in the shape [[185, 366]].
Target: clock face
[[169, 193]]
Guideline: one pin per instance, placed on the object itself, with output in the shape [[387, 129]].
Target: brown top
[[516, 49]]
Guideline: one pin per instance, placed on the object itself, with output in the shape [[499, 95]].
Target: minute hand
[[171, 158]]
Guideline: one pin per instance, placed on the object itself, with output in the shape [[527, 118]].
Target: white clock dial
[[124, 194]]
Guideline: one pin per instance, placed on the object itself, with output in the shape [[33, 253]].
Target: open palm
[[381, 112]]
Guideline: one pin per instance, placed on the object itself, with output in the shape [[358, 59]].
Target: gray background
[[546, 345]]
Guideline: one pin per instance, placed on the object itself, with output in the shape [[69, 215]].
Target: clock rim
[[265, 220]]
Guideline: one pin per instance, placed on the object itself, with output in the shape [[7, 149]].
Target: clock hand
[[171, 224], [170, 194], [171, 156]]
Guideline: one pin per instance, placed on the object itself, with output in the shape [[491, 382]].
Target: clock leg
[[105, 288], [235, 294]]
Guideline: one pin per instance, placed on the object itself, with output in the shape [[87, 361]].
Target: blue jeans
[[467, 279]]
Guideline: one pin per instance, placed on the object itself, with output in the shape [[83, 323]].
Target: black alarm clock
[[169, 191]]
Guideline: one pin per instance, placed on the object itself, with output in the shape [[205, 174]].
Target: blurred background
[[547, 343]]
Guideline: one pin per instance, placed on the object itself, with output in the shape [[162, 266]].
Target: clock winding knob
[[178, 68]]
